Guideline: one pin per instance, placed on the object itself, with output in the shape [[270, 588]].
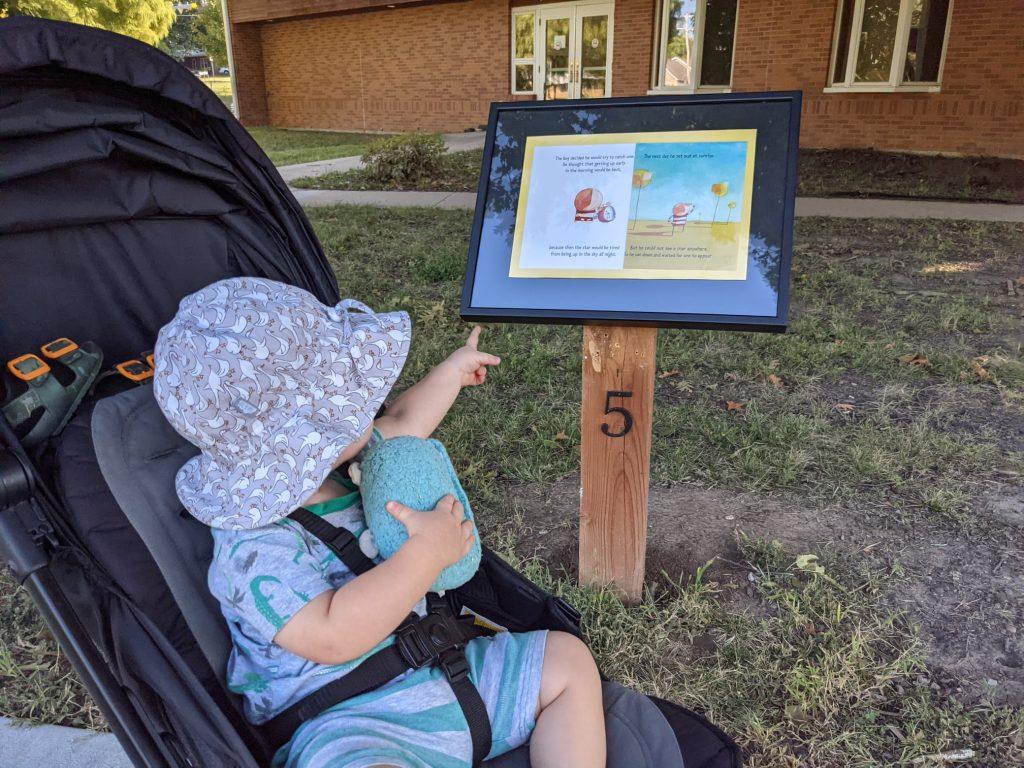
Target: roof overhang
[[243, 11]]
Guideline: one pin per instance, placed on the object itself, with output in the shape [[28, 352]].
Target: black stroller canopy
[[126, 184]]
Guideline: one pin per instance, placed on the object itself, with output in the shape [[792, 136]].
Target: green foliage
[[458, 172], [181, 38], [817, 672], [287, 147], [145, 20], [399, 159], [209, 33], [36, 680]]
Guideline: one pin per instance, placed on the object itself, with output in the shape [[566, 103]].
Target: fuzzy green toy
[[417, 473]]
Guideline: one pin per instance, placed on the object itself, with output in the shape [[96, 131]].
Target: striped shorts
[[416, 722]]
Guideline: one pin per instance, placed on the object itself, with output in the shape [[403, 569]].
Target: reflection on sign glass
[[664, 208]]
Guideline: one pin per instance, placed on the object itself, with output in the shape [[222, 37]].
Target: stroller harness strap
[[438, 640], [341, 541]]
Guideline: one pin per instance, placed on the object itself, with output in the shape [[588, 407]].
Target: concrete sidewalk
[[876, 208], [453, 142], [840, 207], [313, 198], [53, 746]]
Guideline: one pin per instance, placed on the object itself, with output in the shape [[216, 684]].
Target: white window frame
[[658, 69], [574, 7], [532, 60], [899, 54]]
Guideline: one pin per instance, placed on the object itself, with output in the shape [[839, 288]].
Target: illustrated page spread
[[661, 205]]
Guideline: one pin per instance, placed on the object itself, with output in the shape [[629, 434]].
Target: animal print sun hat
[[272, 386]]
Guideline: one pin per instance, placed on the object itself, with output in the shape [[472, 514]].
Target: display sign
[[663, 210]]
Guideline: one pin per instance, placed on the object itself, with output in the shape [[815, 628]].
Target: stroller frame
[[125, 147]]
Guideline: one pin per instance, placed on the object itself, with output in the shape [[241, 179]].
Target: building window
[[887, 45], [695, 45], [522, 52]]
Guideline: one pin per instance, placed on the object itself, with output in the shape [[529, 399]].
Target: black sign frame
[[776, 323]]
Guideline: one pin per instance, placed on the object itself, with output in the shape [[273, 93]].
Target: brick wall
[[247, 53], [431, 68], [632, 47], [980, 109], [437, 67]]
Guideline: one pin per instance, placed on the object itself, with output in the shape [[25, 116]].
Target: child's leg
[[570, 726]]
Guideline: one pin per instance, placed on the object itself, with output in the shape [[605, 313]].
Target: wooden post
[[618, 400]]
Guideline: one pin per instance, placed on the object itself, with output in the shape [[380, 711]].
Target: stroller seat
[[139, 454], [129, 186]]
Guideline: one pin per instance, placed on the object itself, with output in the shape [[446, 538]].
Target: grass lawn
[[287, 147], [834, 566], [220, 86], [823, 173]]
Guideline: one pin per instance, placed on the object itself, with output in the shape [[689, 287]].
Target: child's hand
[[444, 531], [469, 363]]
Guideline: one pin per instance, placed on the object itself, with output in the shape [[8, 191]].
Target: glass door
[[558, 81], [576, 41], [593, 70]]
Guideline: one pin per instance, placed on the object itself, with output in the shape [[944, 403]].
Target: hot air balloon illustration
[[731, 206], [587, 202], [680, 211], [719, 190], [641, 178]]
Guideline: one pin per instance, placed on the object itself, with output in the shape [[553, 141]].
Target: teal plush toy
[[417, 473]]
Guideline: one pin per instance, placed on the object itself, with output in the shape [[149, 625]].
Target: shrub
[[399, 159]]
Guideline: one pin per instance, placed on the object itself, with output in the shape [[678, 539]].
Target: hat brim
[[293, 461]]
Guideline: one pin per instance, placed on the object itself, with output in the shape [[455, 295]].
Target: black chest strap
[[340, 540], [437, 639]]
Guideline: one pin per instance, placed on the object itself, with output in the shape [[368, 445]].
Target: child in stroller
[[278, 391]]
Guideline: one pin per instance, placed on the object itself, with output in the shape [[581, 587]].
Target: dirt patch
[[869, 173], [966, 593]]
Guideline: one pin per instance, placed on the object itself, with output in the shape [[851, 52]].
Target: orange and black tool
[[28, 367], [58, 348], [134, 370]]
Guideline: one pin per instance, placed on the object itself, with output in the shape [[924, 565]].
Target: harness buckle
[[414, 651], [428, 639], [455, 665], [344, 545]]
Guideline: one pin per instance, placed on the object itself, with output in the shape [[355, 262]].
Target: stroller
[[126, 184]]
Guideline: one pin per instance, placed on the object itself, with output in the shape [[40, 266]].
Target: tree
[[209, 33], [181, 40], [146, 20]]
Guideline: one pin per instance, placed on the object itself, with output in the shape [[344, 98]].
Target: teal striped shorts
[[416, 722]]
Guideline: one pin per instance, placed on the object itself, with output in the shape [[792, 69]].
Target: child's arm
[[336, 627], [420, 408]]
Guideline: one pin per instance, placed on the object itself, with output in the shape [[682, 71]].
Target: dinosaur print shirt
[[262, 577]]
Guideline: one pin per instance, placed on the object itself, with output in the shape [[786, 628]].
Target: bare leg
[[570, 725]]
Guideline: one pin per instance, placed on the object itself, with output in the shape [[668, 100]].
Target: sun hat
[[272, 386]]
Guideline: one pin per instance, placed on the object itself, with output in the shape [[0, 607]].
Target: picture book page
[[660, 205]]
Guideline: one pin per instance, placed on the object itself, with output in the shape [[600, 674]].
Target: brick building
[[918, 75]]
